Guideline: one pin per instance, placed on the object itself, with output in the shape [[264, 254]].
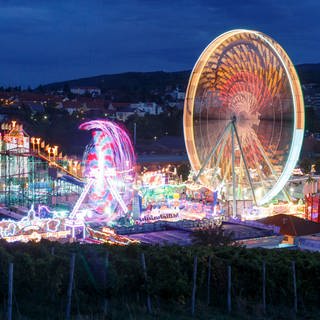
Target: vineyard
[[55, 281]]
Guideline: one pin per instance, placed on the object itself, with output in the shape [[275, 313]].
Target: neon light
[[110, 165], [20, 230], [107, 235], [55, 222], [35, 236]]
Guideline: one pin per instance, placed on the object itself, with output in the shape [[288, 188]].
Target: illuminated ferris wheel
[[244, 116]]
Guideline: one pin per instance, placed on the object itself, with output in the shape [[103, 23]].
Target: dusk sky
[[53, 40]]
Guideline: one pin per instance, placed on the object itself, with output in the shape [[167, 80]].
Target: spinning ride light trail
[[109, 169], [244, 116]]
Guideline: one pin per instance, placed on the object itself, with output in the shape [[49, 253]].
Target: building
[[311, 242], [292, 227], [72, 106], [123, 110], [93, 91], [180, 233], [178, 95], [124, 113], [147, 108]]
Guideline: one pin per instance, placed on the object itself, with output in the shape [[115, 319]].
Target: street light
[[55, 151], [49, 151], [38, 143], [75, 163], [33, 141]]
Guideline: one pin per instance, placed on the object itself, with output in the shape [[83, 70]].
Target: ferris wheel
[[244, 116]]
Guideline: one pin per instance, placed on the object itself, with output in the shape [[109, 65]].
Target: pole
[[144, 267], [209, 281], [214, 149], [10, 289], [194, 287], [264, 286], [295, 301], [234, 196], [229, 289], [106, 266], [245, 163], [134, 134], [72, 263]]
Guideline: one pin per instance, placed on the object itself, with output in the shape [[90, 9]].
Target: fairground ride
[[244, 117], [32, 172], [109, 172]]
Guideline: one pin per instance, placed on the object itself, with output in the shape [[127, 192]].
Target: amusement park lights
[[109, 174], [33, 227]]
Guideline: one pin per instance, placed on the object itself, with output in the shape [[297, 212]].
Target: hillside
[[157, 82], [131, 85], [309, 73]]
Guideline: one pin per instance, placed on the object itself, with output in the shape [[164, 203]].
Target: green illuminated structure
[[28, 177]]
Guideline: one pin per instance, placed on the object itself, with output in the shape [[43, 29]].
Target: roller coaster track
[[51, 162]]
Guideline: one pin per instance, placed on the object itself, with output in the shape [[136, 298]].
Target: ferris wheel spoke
[[260, 172], [221, 151], [266, 158], [213, 151], [227, 171], [274, 173]]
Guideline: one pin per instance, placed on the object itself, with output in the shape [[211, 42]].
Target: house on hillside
[[73, 106], [93, 106], [114, 106], [93, 91], [123, 110], [120, 111], [176, 104], [147, 108], [8, 98], [177, 94], [124, 113], [35, 107]]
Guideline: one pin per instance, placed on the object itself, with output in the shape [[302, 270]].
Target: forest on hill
[[159, 81], [129, 86]]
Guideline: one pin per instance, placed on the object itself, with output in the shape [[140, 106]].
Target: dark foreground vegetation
[[110, 283]]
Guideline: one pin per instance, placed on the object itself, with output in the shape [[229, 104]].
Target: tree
[[40, 89], [305, 165], [183, 170], [212, 236]]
